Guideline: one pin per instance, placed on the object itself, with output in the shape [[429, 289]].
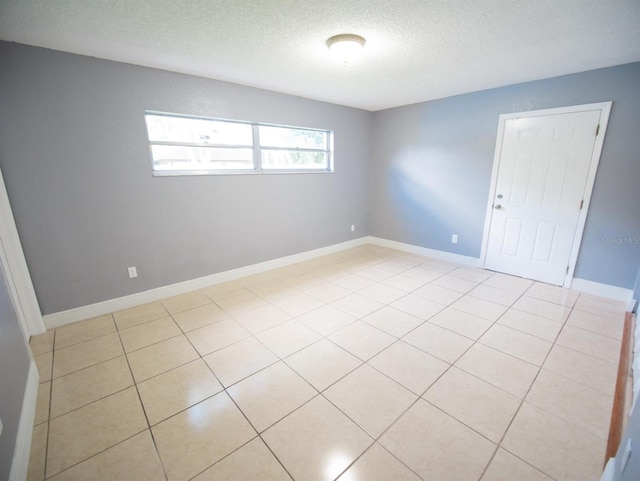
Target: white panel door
[[544, 166]]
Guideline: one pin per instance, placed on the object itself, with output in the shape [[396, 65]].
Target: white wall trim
[[582, 285], [16, 270], [62, 318], [604, 290], [20, 463], [609, 470], [605, 110], [426, 252]]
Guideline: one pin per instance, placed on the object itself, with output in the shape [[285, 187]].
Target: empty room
[[287, 240]]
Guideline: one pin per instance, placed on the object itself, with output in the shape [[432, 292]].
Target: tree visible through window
[[192, 145]]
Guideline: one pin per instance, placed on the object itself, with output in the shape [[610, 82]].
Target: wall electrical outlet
[[353, 227], [454, 238], [133, 272], [626, 454]]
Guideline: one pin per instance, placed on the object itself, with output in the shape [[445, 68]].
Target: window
[[289, 148], [182, 145]]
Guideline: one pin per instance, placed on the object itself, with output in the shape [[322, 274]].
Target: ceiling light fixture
[[346, 47]]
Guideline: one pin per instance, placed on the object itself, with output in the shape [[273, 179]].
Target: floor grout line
[[332, 282]]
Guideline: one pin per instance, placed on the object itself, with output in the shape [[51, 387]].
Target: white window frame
[[256, 147]]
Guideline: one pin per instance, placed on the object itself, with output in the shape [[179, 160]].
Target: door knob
[[499, 196], [498, 206]]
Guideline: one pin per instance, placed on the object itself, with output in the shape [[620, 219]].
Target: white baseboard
[[604, 290], [582, 285], [609, 470], [20, 463], [63, 318], [424, 251]]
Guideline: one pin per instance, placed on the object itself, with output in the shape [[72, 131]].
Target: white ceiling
[[416, 50]]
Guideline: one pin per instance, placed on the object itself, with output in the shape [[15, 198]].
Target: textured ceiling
[[416, 49]]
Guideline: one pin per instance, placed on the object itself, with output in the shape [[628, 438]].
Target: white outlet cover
[[626, 455], [133, 272]]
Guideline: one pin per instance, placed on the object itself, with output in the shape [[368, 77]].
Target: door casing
[[15, 267], [605, 109]]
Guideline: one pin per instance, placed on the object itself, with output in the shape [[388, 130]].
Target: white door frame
[[605, 110], [15, 267]]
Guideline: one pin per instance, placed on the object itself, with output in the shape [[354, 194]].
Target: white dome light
[[346, 47]]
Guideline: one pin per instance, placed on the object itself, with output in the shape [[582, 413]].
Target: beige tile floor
[[370, 364]]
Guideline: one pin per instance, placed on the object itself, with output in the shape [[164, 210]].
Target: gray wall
[[74, 154], [636, 291], [432, 166], [14, 368]]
